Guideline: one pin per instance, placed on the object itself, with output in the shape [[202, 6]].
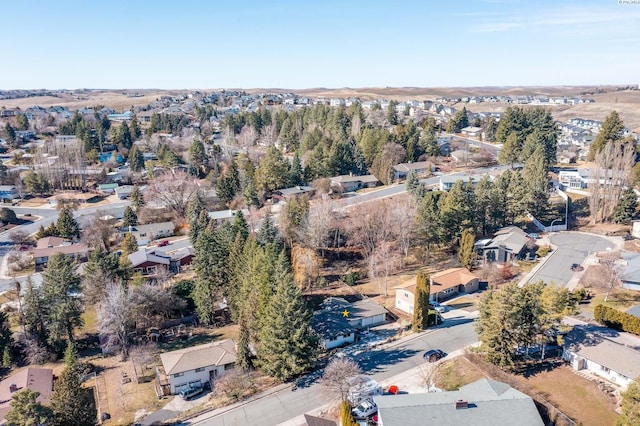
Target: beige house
[[444, 285], [196, 366]]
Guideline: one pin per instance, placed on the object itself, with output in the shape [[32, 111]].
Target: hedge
[[616, 319]]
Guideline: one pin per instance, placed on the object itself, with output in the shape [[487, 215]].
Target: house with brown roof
[[37, 379], [443, 285], [195, 366], [47, 247]]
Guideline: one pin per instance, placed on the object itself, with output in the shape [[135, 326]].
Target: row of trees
[[255, 276], [513, 319]]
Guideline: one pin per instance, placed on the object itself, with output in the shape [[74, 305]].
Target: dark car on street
[[433, 355]]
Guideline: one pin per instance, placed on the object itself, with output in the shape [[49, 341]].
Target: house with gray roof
[[196, 366], [482, 403], [360, 314], [293, 192], [349, 183], [333, 329], [604, 352], [144, 234], [148, 262], [400, 171], [629, 270], [506, 245]]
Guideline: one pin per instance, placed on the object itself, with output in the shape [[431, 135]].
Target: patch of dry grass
[[453, 374], [578, 398]]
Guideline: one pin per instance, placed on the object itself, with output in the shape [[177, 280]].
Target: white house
[[333, 329], [144, 234], [603, 352], [197, 365]]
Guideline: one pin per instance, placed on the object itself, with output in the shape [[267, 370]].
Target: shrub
[[351, 278], [346, 417], [616, 319], [543, 251]]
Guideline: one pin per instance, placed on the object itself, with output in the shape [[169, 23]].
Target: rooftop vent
[[461, 403]]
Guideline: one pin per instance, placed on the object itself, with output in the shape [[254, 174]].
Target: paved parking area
[[571, 247]]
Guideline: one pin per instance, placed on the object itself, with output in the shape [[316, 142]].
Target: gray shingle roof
[[187, 359], [489, 403]]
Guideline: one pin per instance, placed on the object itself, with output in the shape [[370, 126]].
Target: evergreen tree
[[129, 217], [630, 407], [611, 130], [71, 403], [62, 306], [10, 134], [510, 151], [137, 200], [413, 183], [22, 122], [211, 268], [136, 160], [134, 129], [287, 345], [240, 226], [392, 113], [456, 210], [421, 302], [129, 244], [197, 154], [536, 177], [484, 205], [33, 310], [490, 129], [268, 233], [198, 226], [124, 136], [244, 361], [430, 223], [27, 411], [626, 208], [466, 248], [295, 172], [7, 359], [195, 206], [67, 226]]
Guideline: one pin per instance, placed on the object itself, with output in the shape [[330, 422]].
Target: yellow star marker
[[345, 313]]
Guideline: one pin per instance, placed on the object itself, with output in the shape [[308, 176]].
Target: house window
[[178, 375], [198, 370], [144, 234]]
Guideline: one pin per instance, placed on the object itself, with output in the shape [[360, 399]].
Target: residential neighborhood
[[304, 214]]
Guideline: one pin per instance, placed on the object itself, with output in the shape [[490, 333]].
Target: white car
[[438, 307], [365, 409]]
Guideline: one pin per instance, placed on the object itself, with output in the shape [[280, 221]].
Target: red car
[[163, 243]]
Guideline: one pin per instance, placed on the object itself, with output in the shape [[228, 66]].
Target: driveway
[[571, 247]]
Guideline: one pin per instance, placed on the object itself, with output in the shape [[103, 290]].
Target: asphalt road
[[381, 364], [572, 247]]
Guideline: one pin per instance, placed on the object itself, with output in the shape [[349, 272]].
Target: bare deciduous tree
[[268, 135], [171, 190], [248, 136], [403, 221], [19, 237], [98, 232], [608, 178], [234, 384], [336, 375], [115, 317], [317, 225], [385, 262]]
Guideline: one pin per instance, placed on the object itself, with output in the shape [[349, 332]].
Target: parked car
[[438, 307], [163, 243], [433, 355], [190, 392], [577, 267], [533, 235], [365, 409]]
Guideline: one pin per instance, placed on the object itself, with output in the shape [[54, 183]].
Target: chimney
[[461, 403], [13, 387]]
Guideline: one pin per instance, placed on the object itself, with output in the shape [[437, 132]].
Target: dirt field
[[452, 375], [112, 99]]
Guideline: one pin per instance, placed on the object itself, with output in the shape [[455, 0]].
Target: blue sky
[[317, 43]]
